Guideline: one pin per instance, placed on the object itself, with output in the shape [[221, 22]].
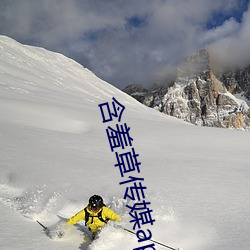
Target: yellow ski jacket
[[94, 223]]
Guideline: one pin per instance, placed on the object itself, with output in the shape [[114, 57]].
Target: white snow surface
[[55, 154]]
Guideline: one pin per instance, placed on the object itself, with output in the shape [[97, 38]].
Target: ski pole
[[45, 228], [157, 242]]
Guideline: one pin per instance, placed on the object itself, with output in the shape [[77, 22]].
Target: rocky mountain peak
[[200, 96], [196, 64]]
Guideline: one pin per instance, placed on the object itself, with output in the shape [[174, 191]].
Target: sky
[[136, 41]]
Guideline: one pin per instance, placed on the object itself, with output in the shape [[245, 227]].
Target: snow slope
[[55, 154]]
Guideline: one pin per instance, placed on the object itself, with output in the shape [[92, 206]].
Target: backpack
[[99, 216]]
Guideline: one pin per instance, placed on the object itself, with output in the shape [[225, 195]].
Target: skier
[[95, 214]]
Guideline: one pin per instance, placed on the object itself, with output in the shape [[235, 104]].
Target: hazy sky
[[131, 41]]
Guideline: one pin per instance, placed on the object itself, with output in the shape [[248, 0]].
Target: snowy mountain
[[237, 81], [55, 154], [201, 95]]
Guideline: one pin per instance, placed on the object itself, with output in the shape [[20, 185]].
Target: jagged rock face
[[237, 81], [136, 90], [199, 97], [204, 102]]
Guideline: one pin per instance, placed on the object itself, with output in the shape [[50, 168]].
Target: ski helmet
[[95, 202]]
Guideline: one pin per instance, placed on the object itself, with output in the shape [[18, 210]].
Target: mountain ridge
[[201, 95]]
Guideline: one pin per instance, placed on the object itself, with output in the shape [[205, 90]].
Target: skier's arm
[[77, 217], [110, 214]]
